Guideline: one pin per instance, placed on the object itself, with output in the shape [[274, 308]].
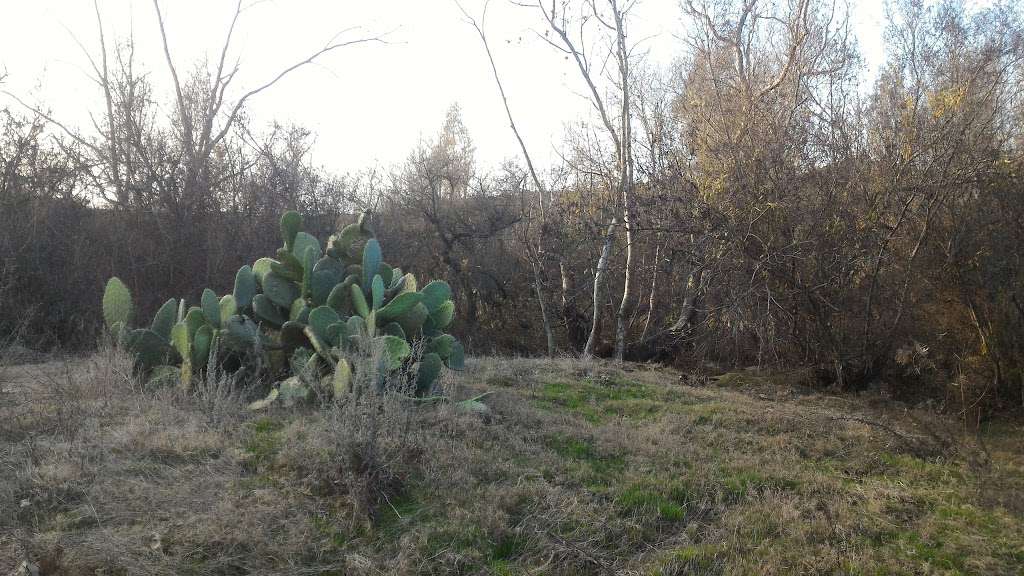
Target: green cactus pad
[[396, 277], [377, 292], [341, 296], [228, 308], [320, 319], [331, 265], [430, 329], [303, 315], [435, 294], [399, 305], [320, 286], [327, 273], [337, 333], [393, 329], [393, 350], [202, 342], [117, 305], [165, 319], [262, 267], [211, 307], [308, 262], [441, 345], [267, 311], [295, 311], [180, 340], [318, 343], [292, 391], [472, 406], [195, 319], [150, 349], [408, 283], [342, 380], [427, 372], [371, 323], [291, 223], [303, 242], [356, 326], [371, 261], [241, 334], [443, 315], [359, 301], [345, 239], [280, 290], [412, 320], [304, 366], [287, 266], [245, 287]]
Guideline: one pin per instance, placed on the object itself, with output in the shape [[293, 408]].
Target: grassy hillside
[[578, 469]]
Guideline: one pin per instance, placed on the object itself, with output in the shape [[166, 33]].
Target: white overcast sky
[[367, 104]]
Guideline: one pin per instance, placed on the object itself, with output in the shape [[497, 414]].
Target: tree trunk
[[651, 300], [549, 335], [599, 278], [625, 182]]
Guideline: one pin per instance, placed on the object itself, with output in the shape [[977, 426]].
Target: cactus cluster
[[312, 316]]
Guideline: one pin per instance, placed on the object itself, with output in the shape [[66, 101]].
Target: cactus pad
[[117, 305]]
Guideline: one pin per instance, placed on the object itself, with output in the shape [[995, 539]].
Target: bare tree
[[202, 128], [619, 131]]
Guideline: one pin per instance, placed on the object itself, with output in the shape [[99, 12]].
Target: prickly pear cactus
[[320, 320]]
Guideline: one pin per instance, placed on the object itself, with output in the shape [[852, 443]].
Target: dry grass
[[579, 469]]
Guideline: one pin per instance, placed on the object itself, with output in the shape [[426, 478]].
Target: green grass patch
[[662, 500], [930, 551], [592, 468], [693, 559], [702, 413], [737, 483], [917, 470], [263, 441], [595, 400]]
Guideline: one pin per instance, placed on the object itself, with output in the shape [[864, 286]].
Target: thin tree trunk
[[625, 182], [543, 309], [599, 279], [693, 284], [650, 303]]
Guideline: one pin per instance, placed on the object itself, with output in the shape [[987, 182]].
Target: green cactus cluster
[[313, 316]]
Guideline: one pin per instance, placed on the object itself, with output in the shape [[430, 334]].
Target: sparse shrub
[[321, 323]]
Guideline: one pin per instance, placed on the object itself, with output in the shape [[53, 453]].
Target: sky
[[368, 104]]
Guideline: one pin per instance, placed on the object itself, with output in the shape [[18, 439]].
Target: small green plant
[[317, 320]]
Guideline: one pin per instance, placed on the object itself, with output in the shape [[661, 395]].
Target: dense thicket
[[754, 204]]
